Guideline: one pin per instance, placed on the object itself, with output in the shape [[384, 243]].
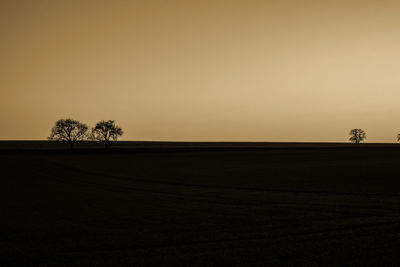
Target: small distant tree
[[357, 135], [106, 131], [69, 131]]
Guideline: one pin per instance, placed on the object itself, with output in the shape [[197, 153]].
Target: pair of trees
[[72, 131]]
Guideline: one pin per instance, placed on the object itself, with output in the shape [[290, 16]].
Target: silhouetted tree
[[357, 135], [106, 131], [398, 138], [69, 131]]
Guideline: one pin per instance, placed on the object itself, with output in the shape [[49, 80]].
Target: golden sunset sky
[[239, 70]]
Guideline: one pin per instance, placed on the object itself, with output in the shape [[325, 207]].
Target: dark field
[[200, 204]]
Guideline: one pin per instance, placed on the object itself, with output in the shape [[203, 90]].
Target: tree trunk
[[106, 144]]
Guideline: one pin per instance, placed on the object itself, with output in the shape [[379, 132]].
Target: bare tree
[[106, 131], [357, 135], [398, 138], [69, 131]]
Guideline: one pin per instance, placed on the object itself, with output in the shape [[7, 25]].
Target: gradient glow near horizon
[[202, 70]]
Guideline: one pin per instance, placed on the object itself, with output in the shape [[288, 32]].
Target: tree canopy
[[357, 135], [69, 131], [106, 131]]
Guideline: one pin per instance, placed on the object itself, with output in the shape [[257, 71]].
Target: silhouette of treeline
[[72, 131]]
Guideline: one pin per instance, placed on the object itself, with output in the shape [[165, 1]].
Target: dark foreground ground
[[200, 205]]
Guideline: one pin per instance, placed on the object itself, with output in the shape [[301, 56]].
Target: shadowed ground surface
[[299, 205]]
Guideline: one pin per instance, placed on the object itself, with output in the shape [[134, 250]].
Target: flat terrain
[[199, 204]]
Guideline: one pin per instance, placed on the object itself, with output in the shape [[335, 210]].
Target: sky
[[238, 70]]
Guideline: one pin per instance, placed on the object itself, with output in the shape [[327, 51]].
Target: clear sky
[[238, 70]]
